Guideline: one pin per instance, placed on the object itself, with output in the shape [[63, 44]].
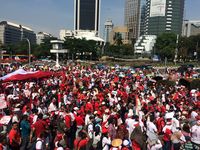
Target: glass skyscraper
[[132, 14], [164, 16], [87, 14]]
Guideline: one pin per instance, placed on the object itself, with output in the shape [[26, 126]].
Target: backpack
[[32, 146]]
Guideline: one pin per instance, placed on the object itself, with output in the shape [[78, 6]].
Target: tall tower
[[142, 14], [87, 15], [164, 16], [132, 14], [107, 30]]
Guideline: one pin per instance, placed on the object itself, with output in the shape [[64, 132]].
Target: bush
[[106, 58], [194, 84]]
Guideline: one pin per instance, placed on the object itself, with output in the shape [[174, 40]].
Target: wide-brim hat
[[126, 143], [116, 142]]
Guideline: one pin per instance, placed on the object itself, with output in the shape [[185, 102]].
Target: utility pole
[[176, 50], [196, 54], [29, 50]]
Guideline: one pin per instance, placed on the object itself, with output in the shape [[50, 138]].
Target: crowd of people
[[91, 108]]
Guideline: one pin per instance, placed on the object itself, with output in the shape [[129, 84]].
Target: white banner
[[3, 103], [158, 8], [5, 120]]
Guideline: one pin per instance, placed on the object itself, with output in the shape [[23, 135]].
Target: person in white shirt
[[156, 146], [175, 124], [52, 106], [87, 118], [106, 141], [40, 142], [194, 114], [151, 127], [151, 130], [130, 123], [15, 116], [106, 115], [195, 132], [90, 128]]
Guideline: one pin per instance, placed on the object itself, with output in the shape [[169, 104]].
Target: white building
[[145, 44], [108, 27], [191, 28], [66, 33], [11, 33], [41, 36]]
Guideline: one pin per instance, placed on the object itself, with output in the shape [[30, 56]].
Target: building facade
[[123, 32], [132, 20], [87, 15], [108, 26], [142, 14], [11, 33], [41, 36], [164, 16], [191, 28], [66, 33]]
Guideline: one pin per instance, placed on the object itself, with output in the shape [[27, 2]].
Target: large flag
[[21, 74]]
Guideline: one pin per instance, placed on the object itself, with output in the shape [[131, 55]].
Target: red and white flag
[[3, 103]]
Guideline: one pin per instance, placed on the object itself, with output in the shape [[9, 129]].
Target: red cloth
[[40, 127], [68, 121], [14, 134], [1, 146], [135, 145], [79, 121], [80, 143], [88, 106], [160, 124], [167, 135], [59, 97]]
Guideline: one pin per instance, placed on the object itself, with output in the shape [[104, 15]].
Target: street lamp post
[[29, 50]]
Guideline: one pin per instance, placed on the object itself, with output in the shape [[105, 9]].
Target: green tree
[[121, 51], [85, 48], [188, 46], [118, 39], [165, 45], [44, 48]]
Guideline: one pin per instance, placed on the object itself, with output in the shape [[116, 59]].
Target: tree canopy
[[165, 45]]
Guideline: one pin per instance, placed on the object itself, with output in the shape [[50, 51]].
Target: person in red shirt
[[3, 141], [39, 127], [14, 137], [68, 120], [82, 140], [79, 123], [160, 123]]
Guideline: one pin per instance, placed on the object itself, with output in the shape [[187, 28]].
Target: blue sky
[[53, 15]]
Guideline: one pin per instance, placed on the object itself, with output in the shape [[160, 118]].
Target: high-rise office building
[[164, 16], [141, 29], [11, 33], [122, 31], [40, 36], [87, 15], [191, 27], [107, 30], [132, 20]]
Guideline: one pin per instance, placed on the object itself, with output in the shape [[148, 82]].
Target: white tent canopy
[[88, 36]]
